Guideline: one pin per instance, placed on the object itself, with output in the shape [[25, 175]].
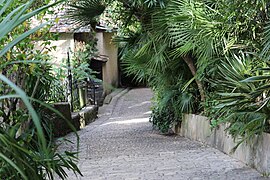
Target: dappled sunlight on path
[[131, 121]]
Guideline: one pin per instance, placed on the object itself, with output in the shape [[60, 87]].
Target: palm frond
[[266, 49], [84, 12], [16, 17]]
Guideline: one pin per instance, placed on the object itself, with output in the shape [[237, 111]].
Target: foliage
[[31, 69], [82, 73], [218, 41], [199, 54], [163, 118], [85, 12], [234, 100], [25, 152], [84, 52], [147, 56], [242, 97], [169, 105], [57, 91]]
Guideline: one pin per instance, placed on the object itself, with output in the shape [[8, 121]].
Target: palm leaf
[[24, 158], [17, 17], [266, 49], [83, 12], [257, 78], [13, 165], [30, 108]]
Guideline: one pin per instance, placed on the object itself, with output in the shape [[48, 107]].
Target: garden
[[198, 56], [201, 57], [30, 84]]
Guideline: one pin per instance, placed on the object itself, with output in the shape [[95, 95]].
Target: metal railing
[[83, 92]]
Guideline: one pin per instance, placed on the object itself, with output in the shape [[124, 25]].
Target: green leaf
[[10, 22], [20, 38], [257, 78], [30, 108], [13, 165]]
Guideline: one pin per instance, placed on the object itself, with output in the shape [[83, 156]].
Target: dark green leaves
[[15, 18], [84, 12], [25, 151]]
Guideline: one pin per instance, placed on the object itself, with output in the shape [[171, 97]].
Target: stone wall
[[255, 153], [60, 126], [88, 115]]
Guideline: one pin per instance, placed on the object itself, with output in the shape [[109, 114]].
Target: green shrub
[[25, 153], [242, 98], [163, 118]]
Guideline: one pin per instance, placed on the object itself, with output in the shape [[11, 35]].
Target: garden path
[[121, 144]]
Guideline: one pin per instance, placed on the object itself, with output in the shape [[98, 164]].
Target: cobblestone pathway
[[121, 144]]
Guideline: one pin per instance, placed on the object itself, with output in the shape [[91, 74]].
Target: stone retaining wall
[[79, 119], [88, 115], [255, 154]]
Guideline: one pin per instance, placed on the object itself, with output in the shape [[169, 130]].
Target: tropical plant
[[169, 104], [237, 99], [147, 55], [85, 12], [25, 152], [24, 64], [194, 51], [242, 97], [83, 54], [81, 71], [202, 32]]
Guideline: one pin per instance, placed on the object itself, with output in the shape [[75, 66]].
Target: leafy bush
[[83, 54], [242, 99], [200, 52], [163, 118], [25, 151]]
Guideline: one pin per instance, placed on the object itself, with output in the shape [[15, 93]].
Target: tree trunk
[[193, 70]]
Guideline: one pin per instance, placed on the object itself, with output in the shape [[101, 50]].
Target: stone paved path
[[121, 144]]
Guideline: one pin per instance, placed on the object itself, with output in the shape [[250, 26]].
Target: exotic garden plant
[[209, 57], [26, 152], [241, 98], [204, 39]]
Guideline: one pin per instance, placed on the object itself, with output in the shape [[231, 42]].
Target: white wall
[[110, 68], [65, 41]]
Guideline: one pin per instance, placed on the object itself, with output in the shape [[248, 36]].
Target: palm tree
[[194, 35], [202, 32]]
